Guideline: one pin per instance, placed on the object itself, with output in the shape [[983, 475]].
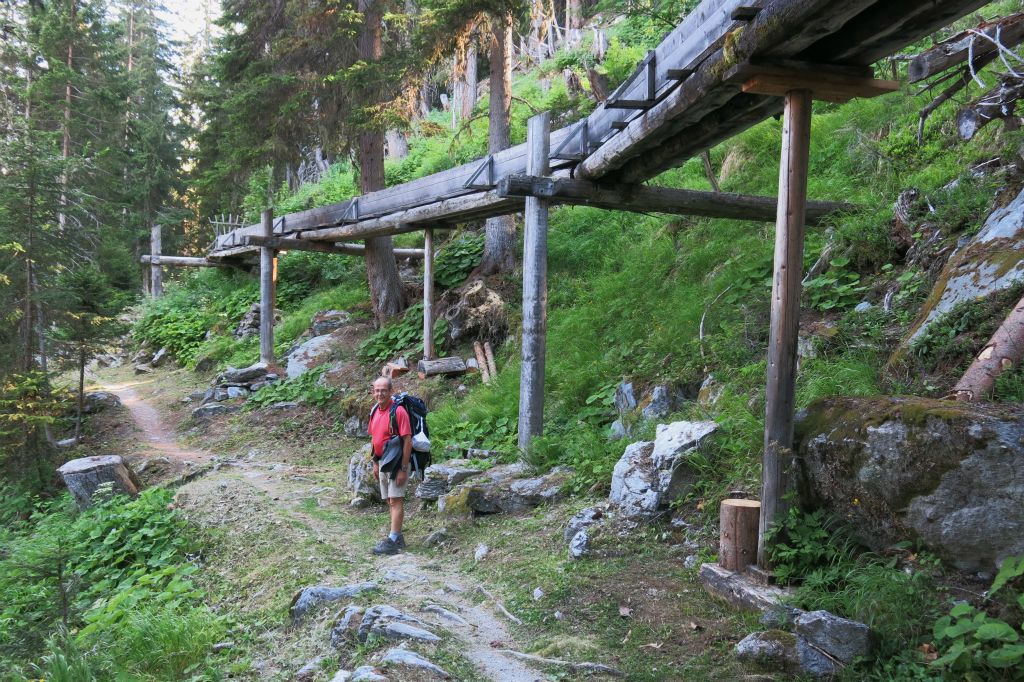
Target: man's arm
[[405, 431]]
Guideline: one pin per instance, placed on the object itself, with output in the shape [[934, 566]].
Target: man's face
[[381, 392]]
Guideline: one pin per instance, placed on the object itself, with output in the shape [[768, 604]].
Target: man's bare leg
[[397, 505]]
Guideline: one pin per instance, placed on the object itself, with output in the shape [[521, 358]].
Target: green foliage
[[392, 339], [803, 543], [457, 258], [837, 288], [977, 645], [115, 575], [305, 388], [955, 337]]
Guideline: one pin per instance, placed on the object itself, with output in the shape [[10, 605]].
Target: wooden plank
[[644, 199], [287, 244], [182, 261], [428, 294], [777, 460], [156, 282], [957, 50], [458, 209], [233, 252], [433, 367], [830, 88], [268, 268], [535, 289]]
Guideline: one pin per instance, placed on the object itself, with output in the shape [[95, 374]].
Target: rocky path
[[429, 590]]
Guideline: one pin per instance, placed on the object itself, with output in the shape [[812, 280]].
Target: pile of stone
[[648, 476], [145, 360], [97, 401], [233, 384], [814, 644], [249, 325]]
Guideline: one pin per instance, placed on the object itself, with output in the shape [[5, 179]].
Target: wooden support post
[[146, 274], [428, 294], [535, 286], [156, 285], [738, 524], [268, 272], [777, 461]]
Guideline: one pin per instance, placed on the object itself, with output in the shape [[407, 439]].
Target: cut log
[[181, 261], [738, 520], [489, 355], [481, 361], [998, 103], [1009, 31], [429, 368], [83, 476], [1003, 351]]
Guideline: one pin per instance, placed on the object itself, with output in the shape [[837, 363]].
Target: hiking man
[[396, 474]]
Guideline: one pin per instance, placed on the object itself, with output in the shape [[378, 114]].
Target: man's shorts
[[388, 487]]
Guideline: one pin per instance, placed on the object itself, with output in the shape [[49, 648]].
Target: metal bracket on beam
[[351, 214], [486, 166], [647, 66], [582, 132]]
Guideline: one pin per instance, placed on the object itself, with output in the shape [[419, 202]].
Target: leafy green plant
[[835, 289], [803, 543], [980, 646], [396, 337], [305, 388], [457, 258]]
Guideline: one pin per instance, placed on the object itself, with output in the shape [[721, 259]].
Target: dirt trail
[[410, 582]]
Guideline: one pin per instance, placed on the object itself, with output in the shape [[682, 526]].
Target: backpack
[[417, 411]]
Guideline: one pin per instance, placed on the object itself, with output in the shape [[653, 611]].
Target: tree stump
[[83, 476], [738, 542]]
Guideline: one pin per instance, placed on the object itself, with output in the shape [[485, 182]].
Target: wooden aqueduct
[[728, 65]]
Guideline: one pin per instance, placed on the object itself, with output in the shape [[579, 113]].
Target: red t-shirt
[[380, 426]]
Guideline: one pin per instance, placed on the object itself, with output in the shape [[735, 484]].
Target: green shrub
[[457, 258], [975, 644], [836, 289], [392, 339], [305, 388]]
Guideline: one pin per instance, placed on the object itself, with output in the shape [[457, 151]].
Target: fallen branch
[[501, 607], [987, 39], [710, 171], [700, 330], [998, 103], [578, 667], [965, 78]]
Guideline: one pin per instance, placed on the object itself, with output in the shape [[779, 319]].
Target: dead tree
[[998, 103]]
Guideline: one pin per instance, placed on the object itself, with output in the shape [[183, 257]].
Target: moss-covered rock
[[903, 468]]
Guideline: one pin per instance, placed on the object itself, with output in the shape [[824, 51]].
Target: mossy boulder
[[903, 468]]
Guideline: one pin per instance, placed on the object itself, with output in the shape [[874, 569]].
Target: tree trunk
[[81, 391], [429, 368], [469, 92], [386, 293], [1003, 351], [66, 147], [398, 146], [500, 233], [573, 22], [84, 476]]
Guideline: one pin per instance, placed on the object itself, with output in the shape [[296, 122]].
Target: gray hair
[[387, 379]]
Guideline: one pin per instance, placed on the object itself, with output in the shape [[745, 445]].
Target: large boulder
[[651, 474], [513, 496], [439, 479], [326, 321], [991, 261], [360, 475], [245, 375], [310, 598], [897, 468], [97, 401], [309, 355]]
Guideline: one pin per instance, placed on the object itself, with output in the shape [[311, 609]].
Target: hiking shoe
[[389, 546], [400, 542]]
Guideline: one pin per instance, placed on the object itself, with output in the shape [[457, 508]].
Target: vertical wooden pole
[[535, 286], [268, 266], [146, 274], [777, 461], [156, 284], [428, 294]]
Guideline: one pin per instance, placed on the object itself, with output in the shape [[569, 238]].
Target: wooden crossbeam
[[285, 244], [643, 199], [181, 261], [829, 82]]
